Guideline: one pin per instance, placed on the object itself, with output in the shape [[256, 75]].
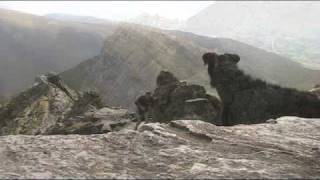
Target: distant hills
[[291, 29], [122, 60], [157, 21], [80, 19], [30, 45]]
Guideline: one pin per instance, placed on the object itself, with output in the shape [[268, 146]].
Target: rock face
[[130, 61], [287, 148], [316, 90], [51, 107], [176, 99]]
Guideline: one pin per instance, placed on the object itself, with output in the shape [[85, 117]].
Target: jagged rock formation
[[288, 148], [51, 107], [174, 99], [129, 63], [316, 90]]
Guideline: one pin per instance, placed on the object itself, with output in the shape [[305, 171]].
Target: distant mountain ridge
[[129, 63], [80, 19], [31, 45], [133, 56], [157, 21], [288, 28]]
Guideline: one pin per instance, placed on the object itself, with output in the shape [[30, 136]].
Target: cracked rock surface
[[288, 147]]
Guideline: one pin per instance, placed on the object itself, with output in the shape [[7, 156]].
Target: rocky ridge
[[102, 142], [51, 107], [286, 148]]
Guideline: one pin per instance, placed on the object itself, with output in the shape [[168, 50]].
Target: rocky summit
[[51, 107], [287, 147]]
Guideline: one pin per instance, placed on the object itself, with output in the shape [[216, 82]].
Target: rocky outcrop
[[130, 61], [51, 107], [176, 99], [287, 148], [316, 90]]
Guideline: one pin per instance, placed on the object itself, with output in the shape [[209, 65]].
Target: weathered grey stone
[[181, 149], [174, 99], [51, 107], [316, 90]]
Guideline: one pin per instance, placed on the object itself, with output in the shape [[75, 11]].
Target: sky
[[115, 10]]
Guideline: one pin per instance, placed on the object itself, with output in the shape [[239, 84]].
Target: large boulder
[[51, 107], [288, 148], [176, 99]]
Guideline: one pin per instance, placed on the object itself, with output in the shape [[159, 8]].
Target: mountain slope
[[133, 56], [257, 62], [75, 18], [129, 63], [31, 45], [287, 28]]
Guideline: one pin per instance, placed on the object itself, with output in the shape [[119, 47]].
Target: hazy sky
[[117, 10]]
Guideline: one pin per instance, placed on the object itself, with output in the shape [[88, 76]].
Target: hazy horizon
[[112, 10]]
